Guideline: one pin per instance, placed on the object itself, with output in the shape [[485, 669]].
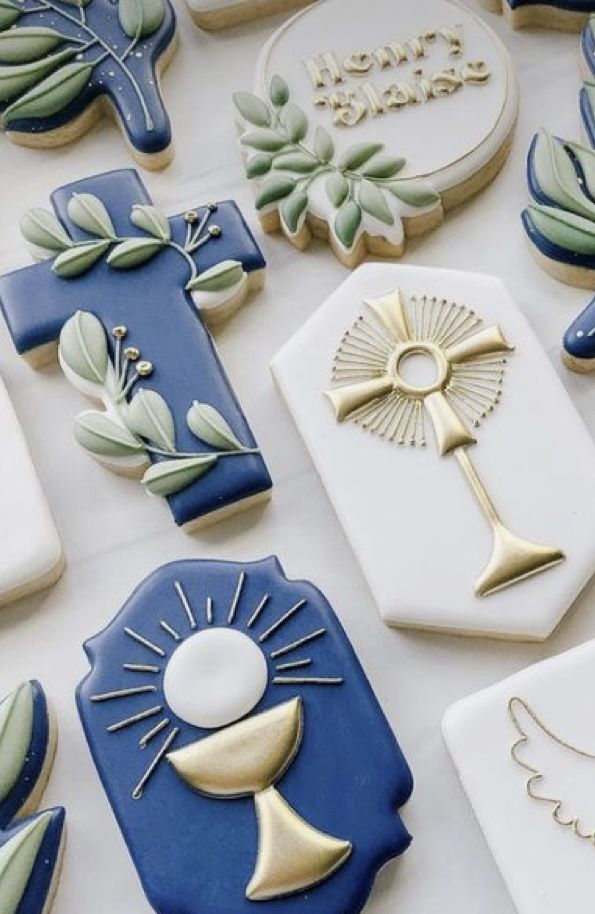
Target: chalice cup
[[248, 758]]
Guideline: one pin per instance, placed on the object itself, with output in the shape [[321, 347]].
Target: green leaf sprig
[[137, 422], [43, 230], [361, 180]]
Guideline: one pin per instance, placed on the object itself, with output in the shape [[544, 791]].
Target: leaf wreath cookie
[[31, 843], [348, 135], [567, 15], [62, 60], [243, 751], [126, 292]]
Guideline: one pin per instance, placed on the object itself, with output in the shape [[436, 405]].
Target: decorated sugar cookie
[[31, 843], [31, 557], [414, 390], [525, 752], [64, 64], [241, 747], [221, 14], [127, 291], [349, 133], [567, 15]]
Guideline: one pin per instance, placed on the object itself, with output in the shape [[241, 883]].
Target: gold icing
[[248, 758], [469, 365]]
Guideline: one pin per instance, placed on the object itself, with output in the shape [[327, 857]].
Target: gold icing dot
[[214, 231], [132, 353], [144, 369], [120, 331], [191, 216]]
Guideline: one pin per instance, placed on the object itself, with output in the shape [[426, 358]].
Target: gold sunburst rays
[[153, 649], [469, 361]]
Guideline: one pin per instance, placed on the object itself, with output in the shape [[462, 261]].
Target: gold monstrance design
[[469, 364]]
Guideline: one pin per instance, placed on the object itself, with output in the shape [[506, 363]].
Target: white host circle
[[215, 677]]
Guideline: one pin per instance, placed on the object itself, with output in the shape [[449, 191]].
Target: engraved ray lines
[[288, 673]]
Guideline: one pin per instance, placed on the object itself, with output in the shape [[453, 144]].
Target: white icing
[[410, 515], [547, 868], [30, 544], [215, 677], [446, 140]]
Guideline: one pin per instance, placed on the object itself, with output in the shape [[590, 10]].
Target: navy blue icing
[[36, 755], [108, 79], [579, 339], [578, 6], [162, 321], [195, 854], [39, 885]]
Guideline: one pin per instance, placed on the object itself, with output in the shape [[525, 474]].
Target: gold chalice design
[[469, 365], [247, 759]]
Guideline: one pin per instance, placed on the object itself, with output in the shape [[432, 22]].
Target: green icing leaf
[[358, 155], [557, 177], [252, 108], [83, 347], [89, 213], [171, 476], [586, 159], [208, 424], [80, 258], [101, 436], [567, 230], [274, 188], [372, 200], [151, 220], [296, 123], [258, 165], [134, 252], [337, 188], [383, 167], [16, 728], [347, 222], [22, 45], [265, 139], [323, 145], [42, 229], [140, 18], [17, 79], [279, 91], [18, 857], [218, 277], [51, 95], [9, 13], [295, 161], [292, 210], [414, 193], [150, 417]]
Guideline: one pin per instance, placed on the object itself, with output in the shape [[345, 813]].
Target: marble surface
[[114, 535]]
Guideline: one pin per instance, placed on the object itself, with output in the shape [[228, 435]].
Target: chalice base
[[513, 559]]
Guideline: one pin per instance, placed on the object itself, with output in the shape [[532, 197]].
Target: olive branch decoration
[[128, 431], [360, 181], [43, 70], [49, 238]]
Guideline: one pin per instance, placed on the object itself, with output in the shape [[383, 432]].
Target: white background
[[114, 535]]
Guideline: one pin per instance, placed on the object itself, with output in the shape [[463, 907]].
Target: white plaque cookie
[[525, 752], [367, 124], [31, 554], [454, 458]]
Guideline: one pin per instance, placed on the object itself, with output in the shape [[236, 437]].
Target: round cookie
[[349, 135]]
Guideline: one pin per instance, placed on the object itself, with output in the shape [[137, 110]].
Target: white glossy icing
[[210, 301], [446, 140], [410, 515], [547, 868], [30, 544], [215, 677]]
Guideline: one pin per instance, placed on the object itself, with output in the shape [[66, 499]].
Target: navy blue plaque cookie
[[241, 747], [127, 292]]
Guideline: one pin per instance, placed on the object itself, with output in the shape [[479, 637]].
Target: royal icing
[[122, 284], [465, 500], [30, 843], [218, 14], [525, 752], [59, 61], [31, 549], [559, 14], [336, 136], [217, 705]]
